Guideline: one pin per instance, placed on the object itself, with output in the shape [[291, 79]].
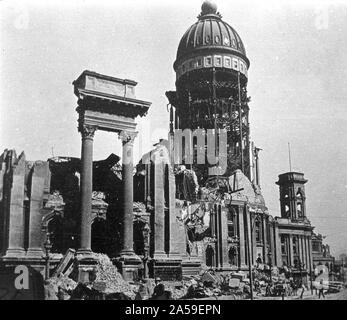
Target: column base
[[167, 268], [86, 265], [160, 255], [243, 266], [175, 256], [128, 253], [35, 253], [84, 254], [15, 252], [128, 265], [191, 266]]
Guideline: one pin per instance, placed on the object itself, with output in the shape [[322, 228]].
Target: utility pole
[[290, 160], [311, 278]]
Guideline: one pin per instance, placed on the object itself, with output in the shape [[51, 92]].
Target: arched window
[[299, 209], [232, 255], [55, 230], [231, 220], [209, 256]]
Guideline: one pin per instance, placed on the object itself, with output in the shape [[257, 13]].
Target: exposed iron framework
[[215, 99]]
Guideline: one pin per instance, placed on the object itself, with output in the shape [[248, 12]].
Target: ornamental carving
[[127, 137], [87, 131]]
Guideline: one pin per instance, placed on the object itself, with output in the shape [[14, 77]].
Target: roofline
[[105, 77]]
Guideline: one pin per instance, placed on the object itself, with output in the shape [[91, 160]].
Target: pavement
[[342, 295]]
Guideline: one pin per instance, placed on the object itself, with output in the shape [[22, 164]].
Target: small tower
[[292, 195]]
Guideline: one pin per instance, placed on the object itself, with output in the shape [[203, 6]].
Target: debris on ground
[[59, 288], [107, 273], [108, 284]]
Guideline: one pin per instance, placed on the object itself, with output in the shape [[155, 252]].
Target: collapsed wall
[[41, 198], [24, 191]]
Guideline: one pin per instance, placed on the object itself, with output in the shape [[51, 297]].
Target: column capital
[[87, 131], [127, 137]]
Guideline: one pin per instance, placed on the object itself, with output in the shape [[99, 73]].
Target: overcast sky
[[297, 82]]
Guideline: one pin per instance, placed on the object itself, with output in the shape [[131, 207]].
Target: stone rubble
[[107, 273], [109, 284]]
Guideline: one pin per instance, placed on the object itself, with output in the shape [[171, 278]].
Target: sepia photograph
[[191, 151]]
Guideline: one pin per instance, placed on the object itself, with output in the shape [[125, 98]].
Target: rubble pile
[[210, 285], [261, 276], [107, 273], [62, 285], [178, 289], [63, 282]]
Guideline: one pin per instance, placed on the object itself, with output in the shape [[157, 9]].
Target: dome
[[210, 34]]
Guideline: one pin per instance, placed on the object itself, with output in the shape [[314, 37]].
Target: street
[[308, 296]]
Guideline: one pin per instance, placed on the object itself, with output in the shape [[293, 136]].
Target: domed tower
[[211, 85]]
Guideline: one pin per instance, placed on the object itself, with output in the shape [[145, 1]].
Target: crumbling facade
[[178, 212], [321, 253]]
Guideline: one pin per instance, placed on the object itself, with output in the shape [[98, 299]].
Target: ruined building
[[193, 202]]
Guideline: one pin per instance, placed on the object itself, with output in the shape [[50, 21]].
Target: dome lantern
[[208, 7]]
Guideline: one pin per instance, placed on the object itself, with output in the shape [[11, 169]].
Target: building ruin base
[[129, 266], [167, 269]]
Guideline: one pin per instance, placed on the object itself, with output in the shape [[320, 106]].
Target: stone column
[[241, 235], [305, 250], [310, 253], [307, 253], [177, 243], [302, 251], [279, 261], [254, 240], [86, 187], [217, 221], [223, 234], [265, 248], [272, 245], [127, 177], [3, 199], [15, 208], [290, 250], [249, 237], [159, 213], [40, 172]]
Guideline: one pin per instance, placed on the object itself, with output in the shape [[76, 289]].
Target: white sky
[[297, 82]]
